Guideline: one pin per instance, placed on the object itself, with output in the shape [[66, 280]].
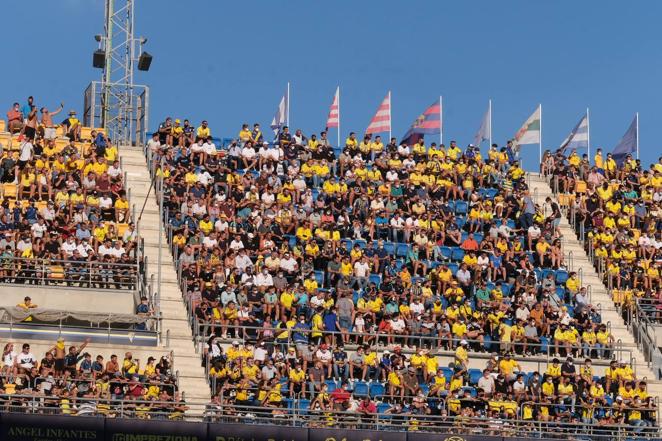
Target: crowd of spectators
[[306, 249], [63, 199], [70, 381], [618, 209]]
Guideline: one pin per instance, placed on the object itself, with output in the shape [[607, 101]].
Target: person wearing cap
[[72, 126]]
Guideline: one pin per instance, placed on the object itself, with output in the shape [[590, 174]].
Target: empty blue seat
[[458, 254], [377, 390], [319, 276], [361, 389], [425, 388], [347, 243], [399, 264], [446, 252], [291, 240], [448, 373], [562, 276], [331, 384], [474, 376], [453, 267], [401, 249], [304, 406], [478, 237], [376, 279], [389, 247], [461, 207], [547, 272], [361, 243]]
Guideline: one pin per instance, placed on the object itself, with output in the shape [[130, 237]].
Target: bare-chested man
[[59, 354], [47, 122]]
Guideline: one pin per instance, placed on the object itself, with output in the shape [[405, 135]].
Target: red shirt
[[340, 395], [368, 407], [14, 115]]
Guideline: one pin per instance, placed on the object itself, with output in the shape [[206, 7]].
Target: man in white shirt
[[242, 261], [361, 272], [533, 233], [114, 170], [486, 383], [68, 247], [39, 228], [118, 250], [105, 249], [25, 361], [263, 279], [288, 264]]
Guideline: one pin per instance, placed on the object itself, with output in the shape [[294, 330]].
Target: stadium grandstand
[[201, 285], [369, 286]]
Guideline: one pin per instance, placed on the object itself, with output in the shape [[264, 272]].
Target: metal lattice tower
[[116, 103]]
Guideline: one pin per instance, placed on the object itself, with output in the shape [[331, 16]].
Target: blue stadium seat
[[458, 254], [453, 267], [401, 249], [446, 252], [376, 279], [425, 388], [291, 239], [377, 390], [331, 384], [361, 243], [448, 373], [316, 193], [381, 408], [389, 247], [474, 376], [562, 276], [361, 389], [399, 264], [461, 207], [347, 243], [478, 237], [304, 406], [319, 276]]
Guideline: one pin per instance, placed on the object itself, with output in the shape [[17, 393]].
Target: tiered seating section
[[64, 214], [616, 209], [70, 381], [324, 259]]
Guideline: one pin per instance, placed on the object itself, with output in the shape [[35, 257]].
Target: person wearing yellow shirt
[[548, 389], [297, 377], [508, 367], [205, 132], [462, 354], [453, 152], [554, 369]]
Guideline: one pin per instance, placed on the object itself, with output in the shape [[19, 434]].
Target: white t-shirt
[[361, 269], [26, 151], [26, 361], [68, 247]]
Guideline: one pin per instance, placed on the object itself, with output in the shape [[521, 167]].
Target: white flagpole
[[637, 117], [390, 111], [287, 118], [441, 120], [540, 137], [338, 91], [588, 136], [489, 110]]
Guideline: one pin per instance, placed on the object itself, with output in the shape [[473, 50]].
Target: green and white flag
[[529, 133]]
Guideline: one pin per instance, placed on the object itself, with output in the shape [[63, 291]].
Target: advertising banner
[[354, 435], [26, 427], [255, 432], [154, 430]]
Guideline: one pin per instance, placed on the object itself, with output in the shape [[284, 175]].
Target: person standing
[[47, 122]]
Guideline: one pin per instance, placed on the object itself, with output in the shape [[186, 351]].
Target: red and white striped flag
[[334, 112], [381, 122]]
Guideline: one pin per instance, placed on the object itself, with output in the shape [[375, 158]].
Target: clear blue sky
[[229, 62]]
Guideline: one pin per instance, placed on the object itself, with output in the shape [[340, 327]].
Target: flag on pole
[[578, 137], [529, 133], [333, 120], [628, 143], [381, 122], [427, 123], [485, 128], [280, 118]]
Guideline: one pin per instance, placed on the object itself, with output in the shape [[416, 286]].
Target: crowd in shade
[[368, 278], [68, 380], [64, 216]]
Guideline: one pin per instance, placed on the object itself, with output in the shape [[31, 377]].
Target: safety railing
[[545, 353], [70, 273], [127, 407]]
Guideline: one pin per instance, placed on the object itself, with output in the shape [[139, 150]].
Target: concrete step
[[540, 189], [175, 324]]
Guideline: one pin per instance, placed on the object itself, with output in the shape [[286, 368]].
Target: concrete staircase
[[540, 189], [176, 332]]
